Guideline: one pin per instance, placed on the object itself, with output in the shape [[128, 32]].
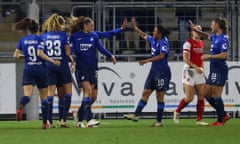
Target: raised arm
[[136, 29], [113, 32], [204, 34]]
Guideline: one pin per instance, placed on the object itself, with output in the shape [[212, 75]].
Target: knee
[[189, 98], [145, 95], [87, 91]]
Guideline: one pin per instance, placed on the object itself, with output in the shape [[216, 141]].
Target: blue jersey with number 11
[[29, 45]]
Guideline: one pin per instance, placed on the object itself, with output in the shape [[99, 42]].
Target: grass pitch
[[121, 132]]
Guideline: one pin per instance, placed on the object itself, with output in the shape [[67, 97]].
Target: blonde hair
[[79, 22], [54, 23]]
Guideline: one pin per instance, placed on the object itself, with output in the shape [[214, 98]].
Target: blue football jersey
[[29, 45], [157, 47], [54, 44], [219, 44], [103, 35], [85, 47]]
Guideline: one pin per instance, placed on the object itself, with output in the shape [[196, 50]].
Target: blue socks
[[219, 108], [24, 100], [160, 110], [67, 104], [81, 113], [141, 105], [86, 104], [212, 102], [44, 108], [50, 109], [60, 108]]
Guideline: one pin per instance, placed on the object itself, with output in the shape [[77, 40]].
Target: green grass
[[121, 132]]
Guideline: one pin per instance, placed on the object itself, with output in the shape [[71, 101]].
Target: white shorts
[[191, 77]]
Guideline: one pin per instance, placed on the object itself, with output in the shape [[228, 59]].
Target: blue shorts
[[36, 76], [217, 78], [86, 75], [157, 81], [59, 75]]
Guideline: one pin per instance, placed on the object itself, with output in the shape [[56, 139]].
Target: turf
[[121, 132]]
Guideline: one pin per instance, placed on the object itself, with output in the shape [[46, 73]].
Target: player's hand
[[142, 62], [133, 23], [191, 25], [124, 24], [56, 62], [114, 60], [206, 57], [21, 56]]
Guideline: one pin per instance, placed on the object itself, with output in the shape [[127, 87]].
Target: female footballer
[[102, 35], [160, 74], [85, 44], [218, 67], [193, 76], [55, 42], [35, 71]]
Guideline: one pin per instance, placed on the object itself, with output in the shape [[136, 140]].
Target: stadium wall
[[120, 87]]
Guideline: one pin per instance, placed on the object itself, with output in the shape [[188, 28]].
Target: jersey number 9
[[53, 47], [32, 54]]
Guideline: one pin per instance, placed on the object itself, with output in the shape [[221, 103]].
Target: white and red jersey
[[195, 50]]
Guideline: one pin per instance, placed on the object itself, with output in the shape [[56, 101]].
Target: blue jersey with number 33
[[54, 44]]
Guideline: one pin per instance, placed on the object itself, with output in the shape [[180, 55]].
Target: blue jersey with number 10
[[29, 45], [54, 44], [157, 47], [219, 45]]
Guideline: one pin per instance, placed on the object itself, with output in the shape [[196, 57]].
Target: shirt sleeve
[[41, 44], [164, 48], [66, 39], [149, 38], [224, 44], [71, 44], [108, 34], [19, 45], [211, 37], [101, 48], [186, 47]]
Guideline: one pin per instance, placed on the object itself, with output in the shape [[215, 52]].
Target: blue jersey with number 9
[[29, 45]]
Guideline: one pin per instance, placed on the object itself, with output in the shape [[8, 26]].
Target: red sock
[[200, 109], [181, 105]]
